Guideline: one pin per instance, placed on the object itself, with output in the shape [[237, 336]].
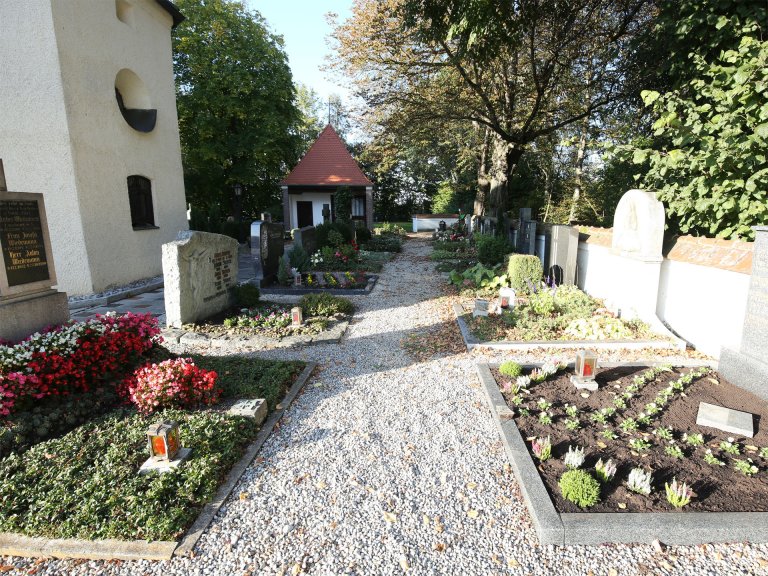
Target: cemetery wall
[[431, 222], [71, 143], [703, 285]]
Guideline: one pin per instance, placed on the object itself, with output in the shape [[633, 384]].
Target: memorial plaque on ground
[[725, 419], [256, 409], [266, 249]]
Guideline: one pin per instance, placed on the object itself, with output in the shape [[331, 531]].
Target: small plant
[[729, 446], [640, 481], [746, 467], [571, 410], [516, 399], [572, 424], [247, 295], [643, 419], [510, 369], [605, 471], [523, 382], [619, 403], [175, 382], [652, 408], [608, 434], [580, 487], [693, 439], [764, 452], [545, 418], [711, 459], [678, 494], [663, 432], [524, 412], [324, 304], [639, 444], [598, 417], [542, 448], [542, 404], [574, 458], [675, 451], [629, 425]]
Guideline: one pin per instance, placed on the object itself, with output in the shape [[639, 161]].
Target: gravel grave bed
[[717, 488]]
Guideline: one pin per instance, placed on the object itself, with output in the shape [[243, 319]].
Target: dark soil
[[716, 488]]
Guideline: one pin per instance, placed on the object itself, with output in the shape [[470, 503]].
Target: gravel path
[[385, 465]]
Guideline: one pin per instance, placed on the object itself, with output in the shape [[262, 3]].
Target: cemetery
[[560, 366]]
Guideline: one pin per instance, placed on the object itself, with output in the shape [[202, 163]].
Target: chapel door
[[304, 214]]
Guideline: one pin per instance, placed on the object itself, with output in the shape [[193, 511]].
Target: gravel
[[384, 465], [115, 290]]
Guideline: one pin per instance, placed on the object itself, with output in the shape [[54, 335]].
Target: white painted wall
[[64, 135], [704, 305], [428, 224], [317, 199]]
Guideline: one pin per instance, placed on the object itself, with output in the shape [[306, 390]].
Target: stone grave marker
[[266, 249], [306, 238], [256, 409], [199, 270], [481, 308], [725, 419], [28, 301], [748, 367]]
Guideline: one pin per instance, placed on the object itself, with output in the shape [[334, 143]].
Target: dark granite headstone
[[306, 238], [526, 237], [22, 242], [266, 249]]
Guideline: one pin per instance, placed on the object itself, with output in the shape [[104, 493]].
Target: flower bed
[[638, 434]]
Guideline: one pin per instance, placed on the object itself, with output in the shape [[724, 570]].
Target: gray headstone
[[199, 271], [256, 409], [306, 238], [525, 214], [481, 308], [562, 251], [725, 419], [526, 237], [266, 249], [638, 226]]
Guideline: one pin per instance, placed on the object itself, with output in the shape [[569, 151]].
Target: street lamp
[[238, 189]]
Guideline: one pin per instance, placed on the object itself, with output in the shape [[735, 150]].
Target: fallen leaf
[[666, 565], [439, 546], [584, 394], [389, 517], [471, 485], [719, 556], [473, 514], [751, 448], [613, 572], [243, 495], [602, 444], [6, 568], [426, 520], [321, 485], [762, 562], [296, 569], [512, 563], [495, 559], [714, 381], [404, 563], [622, 505]]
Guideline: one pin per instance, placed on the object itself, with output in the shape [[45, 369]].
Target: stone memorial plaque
[[481, 308], [256, 409], [266, 249], [725, 419], [638, 226]]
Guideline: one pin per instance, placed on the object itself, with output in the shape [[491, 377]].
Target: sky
[[302, 25]]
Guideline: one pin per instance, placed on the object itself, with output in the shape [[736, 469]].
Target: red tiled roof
[[327, 163]]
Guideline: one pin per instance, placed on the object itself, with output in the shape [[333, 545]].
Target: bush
[[299, 258], [325, 305], [343, 201], [580, 487], [284, 271], [323, 230], [362, 234], [511, 369], [491, 250], [524, 271], [172, 383], [247, 295], [383, 244]]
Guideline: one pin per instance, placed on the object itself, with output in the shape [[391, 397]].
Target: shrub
[[322, 231], [284, 271], [383, 244], [343, 201], [299, 258], [247, 295], [362, 234], [524, 271], [389, 228], [579, 487], [324, 304], [491, 250], [511, 369], [172, 383]]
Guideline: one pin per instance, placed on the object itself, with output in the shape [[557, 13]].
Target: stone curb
[[675, 528], [520, 345], [188, 542], [19, 545], [337, 291], [106, 300], [206, 340]]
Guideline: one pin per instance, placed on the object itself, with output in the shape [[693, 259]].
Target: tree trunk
[[579, 175], [483, 182]]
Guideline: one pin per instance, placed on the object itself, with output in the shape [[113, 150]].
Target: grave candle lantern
[[296, 316], [297, 279], [163, 441], [586, 364], [507, 297]]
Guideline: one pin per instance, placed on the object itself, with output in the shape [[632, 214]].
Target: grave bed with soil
[[718, 488], [341, 283]]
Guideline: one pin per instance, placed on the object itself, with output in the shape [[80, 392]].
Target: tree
[[311, 116], [235, 100]]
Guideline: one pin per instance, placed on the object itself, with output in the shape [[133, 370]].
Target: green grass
[[85, 483], [408, 226]]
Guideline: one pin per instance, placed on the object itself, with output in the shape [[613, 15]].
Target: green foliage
[[247, 295], [598, 328], [323, 233], [475, 276], [343, 204], [284, 276], [324, 304], [579, 487], [198, 220], [491, 250], [392, 228], [298, 258], [362, 234], [524, 271], [511, 369], [235, 101], [383, 244]]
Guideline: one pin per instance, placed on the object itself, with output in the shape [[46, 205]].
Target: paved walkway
[[385, 465]]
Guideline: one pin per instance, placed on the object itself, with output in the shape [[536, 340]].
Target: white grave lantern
[[585, 367], [296, 316], [507, 297]]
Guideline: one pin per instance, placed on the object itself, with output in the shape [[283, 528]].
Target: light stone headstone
[[199, 271], [306, 237], [481, 308], [256, 409], [266, 250], [748, 367], [725, 419], [28, 301]]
